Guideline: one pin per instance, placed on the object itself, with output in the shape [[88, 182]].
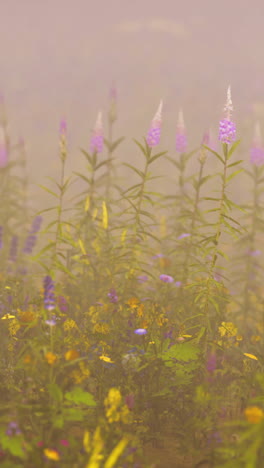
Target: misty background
[[60, 58]]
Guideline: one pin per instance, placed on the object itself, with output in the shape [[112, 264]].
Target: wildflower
[[254, 414], [49, 298], [181, 140], [52, 454], [211, 362], [257, 150], [227, 128], [254, 253], [3, 149], [13, 429], [69, 324], [62, 303], [153, 137], [142, 278], [130, 401], [27, 359], [13, 249], [71, 355], [51, 322], [31, 238], [183, 235], [50, 358], [64, 442], [178, 284], [106, 359], [26, 316], [102, 328], [133, 302], [112, 296], [140, 331], [166, 278], [63, 148], [97, 135]]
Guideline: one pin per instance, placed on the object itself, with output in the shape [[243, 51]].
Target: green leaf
[[182, 352], [232, 149], [79, 396], [49, 191], [55, 391], [215, 153], [140, 173], [156, 156]]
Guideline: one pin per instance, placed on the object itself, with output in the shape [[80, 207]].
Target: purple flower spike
[[153, 137], [211, 362], [3, 156], [166, 278], [49, 298], [227, 128], [51, 322], [181, 139], [142, 278], [140, 331], [63, 127], [178, 284], [97, 135]]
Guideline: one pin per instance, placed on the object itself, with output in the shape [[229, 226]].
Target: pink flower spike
[[227, 128], [181, 139], [153, 137], [257, 150], [97, 135], [63, 127], [64, 442]]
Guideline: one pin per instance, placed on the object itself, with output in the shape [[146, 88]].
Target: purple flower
[[227, 128], [185, 234], [257, 150], [112, 296], [49, 298], [13, 249], [3, 155], [166, 278], [62, 303], [51, 322], [178, 284], [254, 253], [97, 135], [227, 131], [153, 137], [142, 278], [13, 429], [130, 401], [140, 331], [211, 362], [181, 139], [63, 127]]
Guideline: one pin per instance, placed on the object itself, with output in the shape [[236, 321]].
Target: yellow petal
[[251, 356]]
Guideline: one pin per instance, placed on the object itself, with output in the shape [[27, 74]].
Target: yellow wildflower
[[254, 414], [13, 327], [26, 317], [133, 302], [71, 355], [51, 454], [105, 359], [50, 358], [27, 359], [227, 329], [101, 328], [69, 324]]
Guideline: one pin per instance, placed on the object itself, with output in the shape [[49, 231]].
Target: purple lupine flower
[[227, 128], [49, 298], [153, 137], [181, 139], [51, 322], [113, 296], [97, 135], [13, 249], [166, 278], [31, 238], [257, 150], [3, 149], [140, 331]]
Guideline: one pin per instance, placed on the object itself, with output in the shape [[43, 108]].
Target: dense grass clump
[[131, 319]]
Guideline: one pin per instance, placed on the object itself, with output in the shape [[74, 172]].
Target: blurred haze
[[59, 59]]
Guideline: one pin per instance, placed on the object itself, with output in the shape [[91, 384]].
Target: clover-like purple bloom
[[166, 278], [113, 297], [181, 139], [140, 331]]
